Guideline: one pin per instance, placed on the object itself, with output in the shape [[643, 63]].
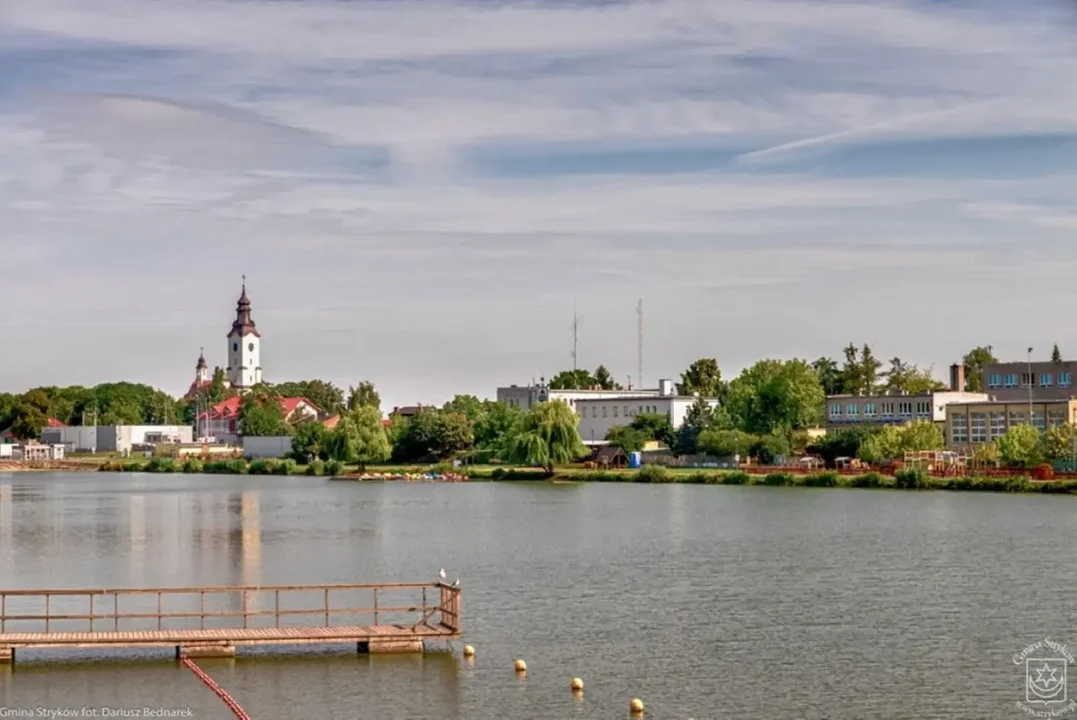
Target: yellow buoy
[[520, 666], [636, 706], [469, 651], [577, 685]]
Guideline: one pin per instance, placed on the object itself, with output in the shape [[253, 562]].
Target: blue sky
[[419, 192]]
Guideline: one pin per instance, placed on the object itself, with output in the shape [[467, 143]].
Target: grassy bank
[[904, 480]]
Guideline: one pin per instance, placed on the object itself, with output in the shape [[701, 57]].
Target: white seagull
[[442, 573], [457, 583]]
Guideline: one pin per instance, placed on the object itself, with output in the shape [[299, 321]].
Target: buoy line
[[217, 690]]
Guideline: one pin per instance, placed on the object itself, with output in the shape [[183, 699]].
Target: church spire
[[244, 324], [201, 360]]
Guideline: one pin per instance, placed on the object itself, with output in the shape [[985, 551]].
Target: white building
[[526, 397], [244, 347], [598, 415], [599, 410], [115, 438]]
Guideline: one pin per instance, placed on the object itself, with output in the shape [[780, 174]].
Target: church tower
[[201, 370], [244, 347]]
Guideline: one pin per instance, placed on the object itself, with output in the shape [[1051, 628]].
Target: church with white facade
[[244, 369]]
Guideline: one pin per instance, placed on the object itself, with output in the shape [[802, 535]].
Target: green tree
[[654, 426], [27, 419], [627, 438], [218, 387], [261, 415], [725, 443], [467, 405], [1056, 354], [548, 435], [893, 441], [496, 426], [830, 376], [572, 380], [1058, 442], [1021, 446], [454, 435], [987, 454], [310, 442], [700, 416], [363, 395], [7, 409], [861, 371], [434, 433], [398, 425], [365, 438], [775, 395], [975, 361], [921, 436], [703, 377], [907, 378], [327, 396], [768, 448], [844, 443], [604, 380]]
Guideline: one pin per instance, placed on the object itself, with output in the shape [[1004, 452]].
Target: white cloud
[[418, 190]]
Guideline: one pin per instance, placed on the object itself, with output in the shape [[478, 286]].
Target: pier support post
[[219, 650], [7, 655], [392, 645]]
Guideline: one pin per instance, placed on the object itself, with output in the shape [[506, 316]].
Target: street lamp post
[[1030, 386]]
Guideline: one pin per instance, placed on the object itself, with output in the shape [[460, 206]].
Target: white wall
[[244, 360], [267, 447], [598, 416]]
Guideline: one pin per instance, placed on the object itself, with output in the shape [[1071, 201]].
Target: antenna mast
[[575, 337], [639, 366]]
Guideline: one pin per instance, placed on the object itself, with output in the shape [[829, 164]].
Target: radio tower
[[639, 366], [575, 339]]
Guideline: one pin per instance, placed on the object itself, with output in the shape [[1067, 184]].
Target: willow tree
[[548, 435]]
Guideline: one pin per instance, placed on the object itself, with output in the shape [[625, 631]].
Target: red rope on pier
[[217, 689]]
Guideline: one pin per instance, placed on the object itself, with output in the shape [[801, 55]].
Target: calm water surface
[[706, 602]]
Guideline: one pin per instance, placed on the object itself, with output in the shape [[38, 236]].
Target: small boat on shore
[[402, 477]]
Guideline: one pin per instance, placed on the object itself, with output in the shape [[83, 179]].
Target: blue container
[[635, 459]]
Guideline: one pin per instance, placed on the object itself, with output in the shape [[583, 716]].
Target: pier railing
[[240, 606]]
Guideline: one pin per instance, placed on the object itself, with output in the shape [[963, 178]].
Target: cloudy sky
[[420, 191]]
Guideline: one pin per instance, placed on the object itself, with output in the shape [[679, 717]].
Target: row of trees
[[463, 427], [1022, 446]]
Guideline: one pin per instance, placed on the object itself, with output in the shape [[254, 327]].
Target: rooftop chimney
[[957, 377]]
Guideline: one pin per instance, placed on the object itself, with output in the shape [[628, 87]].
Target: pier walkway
[[212, 621]]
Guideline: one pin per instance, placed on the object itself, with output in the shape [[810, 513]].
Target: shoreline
[[903, 480]]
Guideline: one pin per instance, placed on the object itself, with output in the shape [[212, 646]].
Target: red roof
[[54, 423], [331, 422], [227, 409]]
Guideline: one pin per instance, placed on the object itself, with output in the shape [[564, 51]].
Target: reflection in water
[[6, 524], [846, 602], [136, 533]]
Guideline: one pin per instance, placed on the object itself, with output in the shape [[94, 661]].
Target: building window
[[1011, 380], [869, 410], [978, 423], [1056, 417], [1064, 379], [1018, 418], [994, 380], [594, 412], [904, 409], [604, 411], [1046, 379], [835, 411], [998, 424], [852, 411], [959, 430], [1025, 378], [888, 409], [614, 411], [923, 409], [1037, 420]]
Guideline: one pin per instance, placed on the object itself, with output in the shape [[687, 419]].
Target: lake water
[[706, 602]]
